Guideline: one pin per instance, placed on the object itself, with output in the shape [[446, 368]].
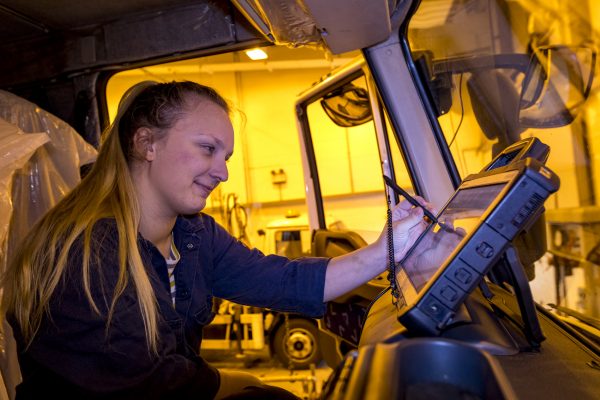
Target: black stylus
[[410, 199], [415, 203]]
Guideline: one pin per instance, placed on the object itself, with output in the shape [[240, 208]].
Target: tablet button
[[462, 275], [484, 250], [449, 294], [435, 308], [438, 312]]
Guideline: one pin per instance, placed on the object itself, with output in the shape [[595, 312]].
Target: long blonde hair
[[106, 192]]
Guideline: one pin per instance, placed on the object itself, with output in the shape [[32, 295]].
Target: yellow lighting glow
[[256, 54]]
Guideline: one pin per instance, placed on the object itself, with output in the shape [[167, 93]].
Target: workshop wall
[[265, 171]]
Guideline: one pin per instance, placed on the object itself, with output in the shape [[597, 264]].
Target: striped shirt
[[171, 263]]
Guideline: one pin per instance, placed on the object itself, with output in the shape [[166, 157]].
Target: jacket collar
[[189, 223]]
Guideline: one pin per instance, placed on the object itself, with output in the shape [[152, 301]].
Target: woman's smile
[[205, 189]]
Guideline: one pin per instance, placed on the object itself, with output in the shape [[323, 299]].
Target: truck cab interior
[[447, 98]]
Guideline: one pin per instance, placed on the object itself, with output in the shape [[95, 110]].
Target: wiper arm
[[593, 322]]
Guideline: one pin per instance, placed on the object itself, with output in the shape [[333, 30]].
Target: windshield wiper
[[593, 322]]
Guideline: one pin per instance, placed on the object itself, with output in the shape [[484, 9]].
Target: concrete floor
[[306, 384]]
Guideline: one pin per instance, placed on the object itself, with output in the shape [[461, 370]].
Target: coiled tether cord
[[390, 245], [396, 295], [391, 276]]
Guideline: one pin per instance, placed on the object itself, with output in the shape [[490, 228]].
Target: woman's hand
[[434, 249], [408, 224], [350, 270]]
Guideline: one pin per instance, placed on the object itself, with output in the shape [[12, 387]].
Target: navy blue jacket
[[73, 355]]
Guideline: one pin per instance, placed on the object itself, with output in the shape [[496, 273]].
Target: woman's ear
[[143, 144]]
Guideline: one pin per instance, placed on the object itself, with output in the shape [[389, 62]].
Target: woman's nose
[[220, 170]]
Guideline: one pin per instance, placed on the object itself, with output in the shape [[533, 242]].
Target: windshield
[[500, 71]]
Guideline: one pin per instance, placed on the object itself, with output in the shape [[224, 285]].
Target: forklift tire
[[300, 347]]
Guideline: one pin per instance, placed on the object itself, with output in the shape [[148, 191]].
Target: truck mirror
[[348, 106], [556, 85]]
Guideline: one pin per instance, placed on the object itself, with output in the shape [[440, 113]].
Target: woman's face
[[189, 161]]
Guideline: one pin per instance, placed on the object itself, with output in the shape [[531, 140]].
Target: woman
[[109, 292]]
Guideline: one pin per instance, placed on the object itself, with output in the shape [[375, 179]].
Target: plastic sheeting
[[336, 26], [16, 148], [40, 160], [289, 22], [43, 179]]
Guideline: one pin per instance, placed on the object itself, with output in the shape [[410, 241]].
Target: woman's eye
[[208, 148]]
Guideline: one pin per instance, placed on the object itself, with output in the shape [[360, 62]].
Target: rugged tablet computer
[[486, 213]]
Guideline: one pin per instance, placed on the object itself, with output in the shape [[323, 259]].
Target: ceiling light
[[256, 54]]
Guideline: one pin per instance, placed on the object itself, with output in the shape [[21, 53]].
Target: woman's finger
[[426, 204], [403, 205]]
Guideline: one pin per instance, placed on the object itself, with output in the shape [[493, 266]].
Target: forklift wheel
[[299, 348]]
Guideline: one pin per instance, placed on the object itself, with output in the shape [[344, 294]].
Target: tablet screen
[[458, 219]]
